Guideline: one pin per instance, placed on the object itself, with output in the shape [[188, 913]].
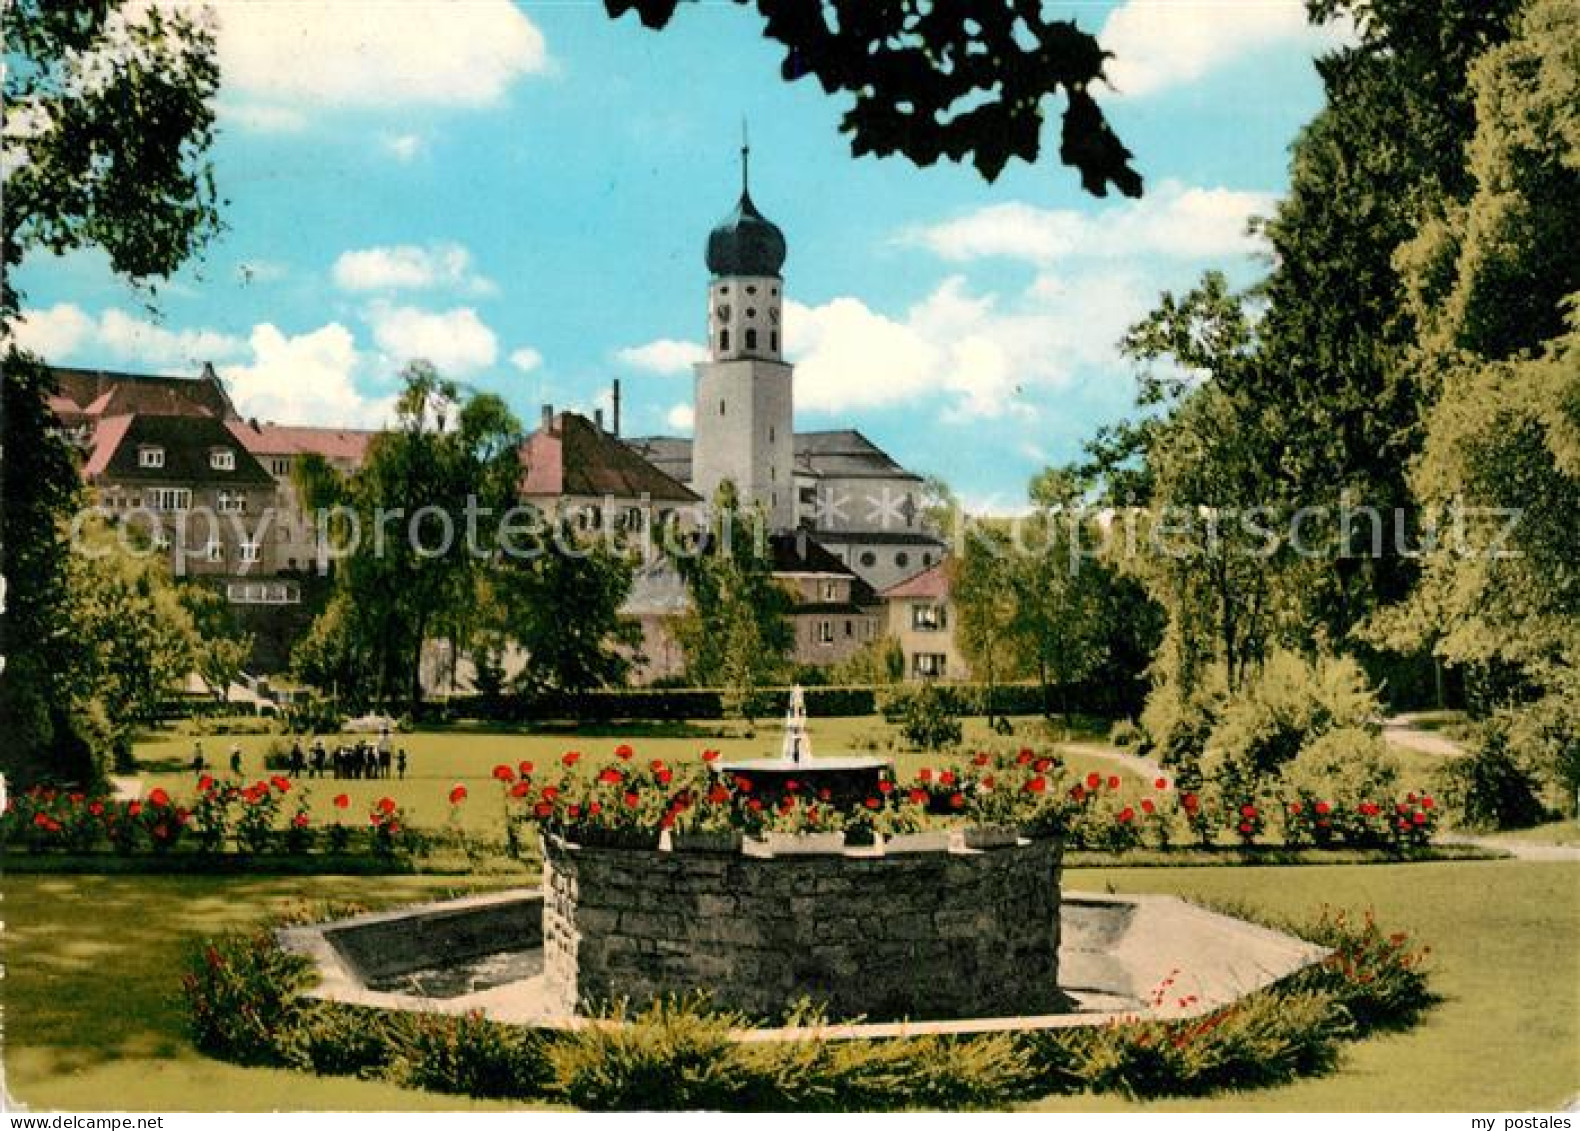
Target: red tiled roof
[[348, 444], [107, 437], [932, 583], [576, 458], [98, 392]]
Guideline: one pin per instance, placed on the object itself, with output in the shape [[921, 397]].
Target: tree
[[984, 598], [427, 503], [108, 121], [220, 648], [736, 635], [947, 79], [563, 607]]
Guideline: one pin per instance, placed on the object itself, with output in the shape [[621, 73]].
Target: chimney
[[598, 419], [547, 423], [616, 408]]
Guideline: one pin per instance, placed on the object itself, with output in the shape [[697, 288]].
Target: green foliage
[[1269, 1038], [736, 635], [119, 105], [673, 1055], [1326, 784], [474, 1057], [876, 663], [241, 994], [563, 607], [927, 715], [1491, 788], [909, 73], [403, 582], [1377, 978], [342, 1040], [1287, 704]]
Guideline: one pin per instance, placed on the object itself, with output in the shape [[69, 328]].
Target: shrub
[[1290, 702], [1326, 785], [1268, 1038], [341, 1040], [1378, 979], [1490, 788], [1176, 726], [241, 993], [928, 716], [1545, 736], [474, 1057], [1125, 732], [673, 1056]]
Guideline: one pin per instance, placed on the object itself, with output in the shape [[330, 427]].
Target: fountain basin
[[848, 778]]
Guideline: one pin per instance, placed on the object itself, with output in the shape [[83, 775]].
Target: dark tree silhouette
[[945, 78]]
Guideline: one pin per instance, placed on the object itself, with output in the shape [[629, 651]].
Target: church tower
[[744, 420]]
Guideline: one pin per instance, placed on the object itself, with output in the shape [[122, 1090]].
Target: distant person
[[298, 760], [198, 762], [318, 759], [400, 763], [384, 752], [235, 758]]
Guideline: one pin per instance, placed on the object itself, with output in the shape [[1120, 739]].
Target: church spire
[[746, 160]]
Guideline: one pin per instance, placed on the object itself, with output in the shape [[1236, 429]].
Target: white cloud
[[382, 53], [304, 379], [408, 267], [983, 355], [1162, 43], [1174, 220], [403, 147], [262, 118], [65, 330], [526, 359], [681, 418], [55, 333], [666, 355], [456, 341]]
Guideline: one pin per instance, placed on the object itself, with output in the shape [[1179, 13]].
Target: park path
[[1401, 731], [1144, 767], [1519, 849]]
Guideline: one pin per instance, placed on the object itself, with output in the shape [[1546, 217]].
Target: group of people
[[363, 759]]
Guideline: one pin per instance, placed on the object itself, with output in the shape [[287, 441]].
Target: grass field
[[93, 1018], [439, 760]]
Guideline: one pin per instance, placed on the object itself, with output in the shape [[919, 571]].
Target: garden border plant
[[245, 1003]]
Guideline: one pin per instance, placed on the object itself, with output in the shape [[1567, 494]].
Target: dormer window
[[222, 459], [150, 456]]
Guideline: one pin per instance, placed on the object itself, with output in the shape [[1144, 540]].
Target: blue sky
[[521, 193]]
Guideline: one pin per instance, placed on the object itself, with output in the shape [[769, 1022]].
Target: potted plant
[[706, 820], [910, 830], [796, 826]]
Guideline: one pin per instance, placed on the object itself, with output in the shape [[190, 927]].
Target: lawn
[[93, 1019], [441, 759]]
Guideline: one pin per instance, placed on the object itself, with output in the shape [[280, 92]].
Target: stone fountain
[[848, 778]]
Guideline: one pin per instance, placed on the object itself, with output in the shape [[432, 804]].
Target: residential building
[[922, 619]]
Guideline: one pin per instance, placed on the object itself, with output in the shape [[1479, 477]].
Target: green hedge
[[674, 704]]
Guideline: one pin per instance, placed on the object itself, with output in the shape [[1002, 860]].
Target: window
[[850, 628], [280, 466], [222, 459], [150, 457], [721, 406], [830, 590], [751, 337], [825, 632], [770, 433], [263, 593], [751, 289], [902, 559], [868, 558], [809, 496], [232, 502], [249, 549], [215, 551], [773, 341], [928, 618], [927, 558], [169, 499], [724, 341], [928, 665]]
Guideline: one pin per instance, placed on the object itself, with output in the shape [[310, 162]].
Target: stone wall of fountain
[[925, 935]]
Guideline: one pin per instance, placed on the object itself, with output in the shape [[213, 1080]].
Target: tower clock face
[[723, 312]]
